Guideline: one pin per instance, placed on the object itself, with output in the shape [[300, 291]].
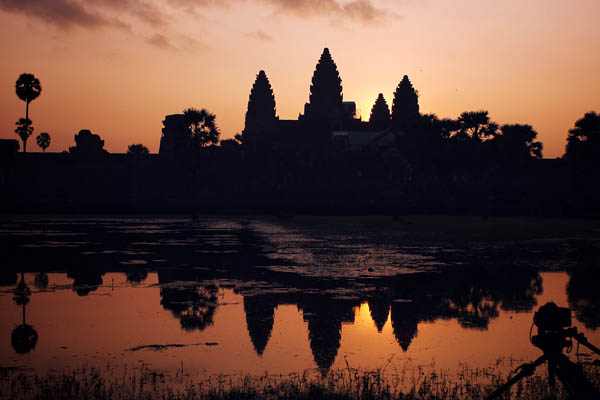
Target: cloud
[[64, 14], [259, 35], [355, 10], [160, 41]]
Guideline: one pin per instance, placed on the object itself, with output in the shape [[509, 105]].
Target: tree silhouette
[[326, 90], [137, 149], [23, 337], [476, 125], [583, 142], [517, 142], [380, 114], [27, 88], [24, 130], [405, 108], [201, 127], [43, 141]]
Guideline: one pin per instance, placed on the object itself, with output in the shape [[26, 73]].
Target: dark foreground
[[232, 307], [86, 383]]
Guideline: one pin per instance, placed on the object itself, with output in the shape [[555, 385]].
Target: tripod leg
[[572, 377], [526, 370], [552, 372]]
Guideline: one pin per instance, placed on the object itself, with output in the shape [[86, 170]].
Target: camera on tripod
[[554, 335], [552, 318]]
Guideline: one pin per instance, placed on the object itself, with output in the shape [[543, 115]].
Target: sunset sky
[[117, 67]]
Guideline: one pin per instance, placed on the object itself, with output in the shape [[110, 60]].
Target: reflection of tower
[[325, 317], [23, 337], [379, 306], [404, 323], [259, 321]]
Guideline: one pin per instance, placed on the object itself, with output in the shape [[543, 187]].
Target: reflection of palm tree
[[23, 337], [194, 305], [136, 275], [85, 282]]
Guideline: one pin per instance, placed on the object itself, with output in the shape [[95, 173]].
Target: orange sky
[[117, 67]]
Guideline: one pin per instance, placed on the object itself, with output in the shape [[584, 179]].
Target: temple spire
[[326, 90], [380, 114], [405, 108], [260, 116]]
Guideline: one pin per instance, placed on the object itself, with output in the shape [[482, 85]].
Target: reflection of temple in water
[[325, 316], [379, 307], [259, 320]]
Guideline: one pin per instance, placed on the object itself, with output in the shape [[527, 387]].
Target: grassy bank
[[90, 383]]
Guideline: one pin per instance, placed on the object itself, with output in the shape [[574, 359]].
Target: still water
[[231, 297]]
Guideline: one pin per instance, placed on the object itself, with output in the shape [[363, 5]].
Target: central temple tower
[[326, 98]]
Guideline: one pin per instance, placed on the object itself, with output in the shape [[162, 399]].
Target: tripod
[[569, 373]]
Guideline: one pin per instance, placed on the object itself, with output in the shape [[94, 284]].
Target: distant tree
[[405, 108], [476, 125], [201, 127], [583, 142], [137, 149], [518, 142], [43, 141], [229, 144], [380, 114], [27, 88], [24, 130]]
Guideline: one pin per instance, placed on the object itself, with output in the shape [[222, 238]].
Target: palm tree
[[137, 149], [43, 141], [202, 128], [24, 130], [27, 88]]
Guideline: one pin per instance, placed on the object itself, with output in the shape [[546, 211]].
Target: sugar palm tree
[[202, 128], [43, 141], [27, 88], [24, 130]]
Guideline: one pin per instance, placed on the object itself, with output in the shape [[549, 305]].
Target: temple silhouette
[[327, 161], [326, 118]]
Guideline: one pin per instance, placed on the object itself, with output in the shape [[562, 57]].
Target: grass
[[349, 383]]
